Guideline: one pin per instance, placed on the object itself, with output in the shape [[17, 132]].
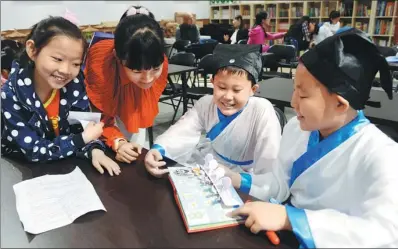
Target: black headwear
[[247, 57], [346, 63]]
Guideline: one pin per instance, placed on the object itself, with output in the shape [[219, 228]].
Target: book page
[[83, 118], [200, 202], [52, 201]]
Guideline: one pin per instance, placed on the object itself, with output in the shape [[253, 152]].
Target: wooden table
[[141, 212]]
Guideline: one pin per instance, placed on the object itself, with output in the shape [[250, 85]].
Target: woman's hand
[[100, 161], [128, 152]]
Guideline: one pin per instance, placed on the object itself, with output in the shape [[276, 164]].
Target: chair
[[180, 46], [244, 41], [173, 90], [281, 117], [201, 50], [285, 56], [195, 93]]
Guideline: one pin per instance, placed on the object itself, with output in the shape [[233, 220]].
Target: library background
[[375, 17]]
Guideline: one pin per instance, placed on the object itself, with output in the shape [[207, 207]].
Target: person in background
[[125, 78], [45, 83], [240, 33], [300, 33], [321, 33], [334, 21], [9, 51], [188, 30], [259, 35]]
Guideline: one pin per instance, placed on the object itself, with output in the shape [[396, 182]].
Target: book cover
[[199, 203]]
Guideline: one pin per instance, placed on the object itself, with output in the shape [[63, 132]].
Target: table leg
[[184, 80], [150, 134]]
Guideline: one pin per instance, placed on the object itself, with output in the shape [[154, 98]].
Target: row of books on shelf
[[346, 9], [380, 42], [271, 11], [364, 26], [382, 27], [297, 11], [363, 10], [235, 12], [385, 8], [314, 11]]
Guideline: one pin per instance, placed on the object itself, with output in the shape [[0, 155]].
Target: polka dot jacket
[[26, 126]]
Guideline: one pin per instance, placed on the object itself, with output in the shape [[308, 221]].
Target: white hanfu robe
[[343, 190], [247, 141]]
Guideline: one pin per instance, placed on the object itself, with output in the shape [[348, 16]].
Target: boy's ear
[[212, 79], [254, 89], [342, 104], [30, 49]]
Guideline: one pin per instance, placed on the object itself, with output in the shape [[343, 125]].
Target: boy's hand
[[100, 161], [263, 216], [153, 160], [92, 131], [235, 177], [128, 152]]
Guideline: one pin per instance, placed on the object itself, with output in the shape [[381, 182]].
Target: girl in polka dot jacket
[[44, 85]]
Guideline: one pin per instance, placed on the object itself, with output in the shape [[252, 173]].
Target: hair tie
[[133, 11]]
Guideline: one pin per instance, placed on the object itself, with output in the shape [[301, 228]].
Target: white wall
[[23, 14]]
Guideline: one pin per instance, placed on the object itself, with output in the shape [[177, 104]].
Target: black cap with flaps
[[247, 57], [347, 63]]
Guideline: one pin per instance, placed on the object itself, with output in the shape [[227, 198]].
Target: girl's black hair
[[260, 16], [43, 31], [139, 42], [333, 14], [240, 19]]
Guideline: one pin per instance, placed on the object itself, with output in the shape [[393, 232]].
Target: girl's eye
[[57, 59], [77, 64]]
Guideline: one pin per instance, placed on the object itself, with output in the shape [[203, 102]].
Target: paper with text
[[52, 201], [83, 118]]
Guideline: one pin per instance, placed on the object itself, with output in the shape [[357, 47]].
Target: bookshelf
[[375, 17]]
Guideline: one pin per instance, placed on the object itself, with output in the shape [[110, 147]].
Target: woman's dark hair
[[139, 42], [137, 7], [333, 14], [43, 31], [260, 16], [240, 19]]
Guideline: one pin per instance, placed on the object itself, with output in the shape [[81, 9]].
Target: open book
[[203, 198]]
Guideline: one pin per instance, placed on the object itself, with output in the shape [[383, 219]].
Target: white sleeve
[[274, 183], [373, 219], [180, 140]]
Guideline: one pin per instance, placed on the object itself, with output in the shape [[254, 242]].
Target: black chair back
[[286, 52], [200, 50], [183, 59], [281, 117]]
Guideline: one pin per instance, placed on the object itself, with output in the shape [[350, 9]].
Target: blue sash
[[316, 150], [220, 126]]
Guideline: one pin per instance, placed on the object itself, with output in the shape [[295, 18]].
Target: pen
[[271, 235]]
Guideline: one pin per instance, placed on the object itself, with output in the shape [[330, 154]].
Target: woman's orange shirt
[[136, 107]]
